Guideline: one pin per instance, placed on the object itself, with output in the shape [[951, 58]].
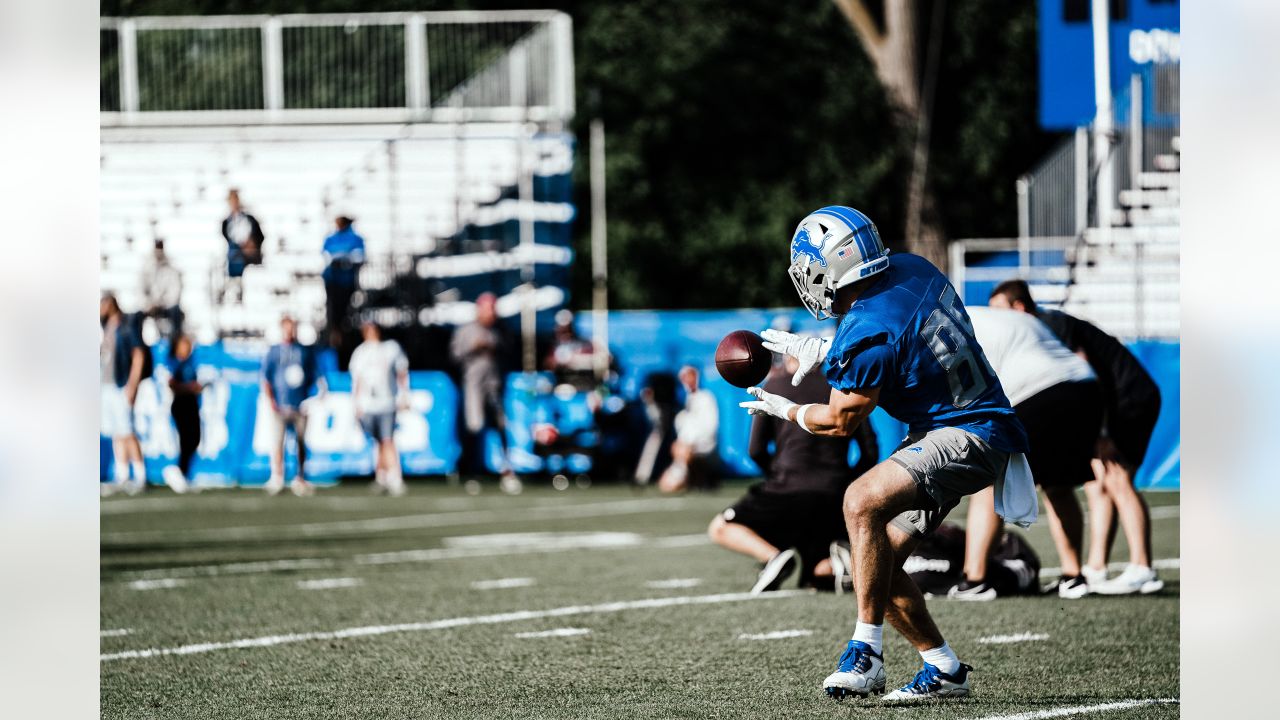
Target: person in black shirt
[[1131, 401], [794, 517]]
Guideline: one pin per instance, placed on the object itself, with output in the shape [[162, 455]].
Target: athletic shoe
[[841, 566], [274, 485], [510, 483], [980, 591], [931, 683], [1134, 579], [859, 673], [174, 478], [1092, 576], [134, 487], [300, 487], [1073, 588], [777, 570]]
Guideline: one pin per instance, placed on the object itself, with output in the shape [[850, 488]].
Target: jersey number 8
[[949, 335]]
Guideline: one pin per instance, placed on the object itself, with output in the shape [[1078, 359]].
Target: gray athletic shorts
[[381, 426], [947, 464]]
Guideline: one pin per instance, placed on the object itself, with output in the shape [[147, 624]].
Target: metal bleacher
[[420, 142], [1118, 268]]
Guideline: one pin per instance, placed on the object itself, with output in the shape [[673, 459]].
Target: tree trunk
[[894, 53]]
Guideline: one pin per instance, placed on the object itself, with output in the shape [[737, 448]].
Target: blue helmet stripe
[[849, 217]]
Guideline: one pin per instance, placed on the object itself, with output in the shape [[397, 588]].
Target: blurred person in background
[[693, 453], [1131, 401], [343, 256], [122, 358], [186, 405], [289, 376], [477, 348], [795, 517], [162, 293], [658, 397], [1055, 395], [243, 235], [380, 385]]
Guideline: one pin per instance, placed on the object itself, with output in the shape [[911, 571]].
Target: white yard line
[[673, 583], [776, 635], [502, 583], [558, 632], [1080, 709], [518, 616], [161, 584], [1166, 512], [400, 522], [1015, 638], [120, 632], [551, 543], [329, 583]]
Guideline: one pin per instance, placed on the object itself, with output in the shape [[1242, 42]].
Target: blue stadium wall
[[644, 342]]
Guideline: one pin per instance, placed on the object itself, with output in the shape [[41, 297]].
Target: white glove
[[810, 351], [766, 403]]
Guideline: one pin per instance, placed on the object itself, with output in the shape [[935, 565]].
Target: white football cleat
[[274, 485], [174, 478], [778, 569], [859, 673], [301, 487], [931, 683], [841, 566], [1093, 576], [1134, 579]]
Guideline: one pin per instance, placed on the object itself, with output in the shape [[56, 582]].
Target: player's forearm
[[825, 420]]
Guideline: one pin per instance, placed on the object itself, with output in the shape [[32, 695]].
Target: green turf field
[[443, 607]]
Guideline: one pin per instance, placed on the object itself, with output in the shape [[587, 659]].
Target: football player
[[904, 343]]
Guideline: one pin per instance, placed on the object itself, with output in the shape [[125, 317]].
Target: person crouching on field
[[380, 385], [794, 517]]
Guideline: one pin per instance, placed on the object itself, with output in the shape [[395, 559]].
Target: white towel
[[1015, 493]]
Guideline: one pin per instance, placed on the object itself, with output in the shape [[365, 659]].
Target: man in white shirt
[[380, 378], [1056, 396], [697, 426]]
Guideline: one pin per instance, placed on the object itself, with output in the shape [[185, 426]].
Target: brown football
[[742, 358]]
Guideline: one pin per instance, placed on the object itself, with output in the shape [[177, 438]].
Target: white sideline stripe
[[518, 616], [1165, 512], [672, 583], [1162, 564], [402, 522], [502, 583], [115, 633], [1081, 709], [329, 583], [161, 584], [1015, 638], [565, 541], [775, 635], [558, 632]]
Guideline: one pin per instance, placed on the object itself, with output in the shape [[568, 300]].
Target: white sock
[[121, 470], [943, 658], [139, 473], [872, 635]]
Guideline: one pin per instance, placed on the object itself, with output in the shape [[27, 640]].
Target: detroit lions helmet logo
[[803, 245]]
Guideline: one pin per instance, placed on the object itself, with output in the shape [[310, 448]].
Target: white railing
[[358, 67]]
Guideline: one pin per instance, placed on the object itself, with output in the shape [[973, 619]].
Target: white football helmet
[[833, 247]]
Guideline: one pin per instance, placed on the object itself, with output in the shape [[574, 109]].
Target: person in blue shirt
[[904, 343], [289, 378], [343, 256]]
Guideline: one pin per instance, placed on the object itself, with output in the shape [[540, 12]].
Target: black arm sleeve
[[762, 433]]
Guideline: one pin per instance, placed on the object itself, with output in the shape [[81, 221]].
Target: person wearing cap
[[343, 256]]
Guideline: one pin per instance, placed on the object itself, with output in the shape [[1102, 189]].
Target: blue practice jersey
[[909, 335]]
